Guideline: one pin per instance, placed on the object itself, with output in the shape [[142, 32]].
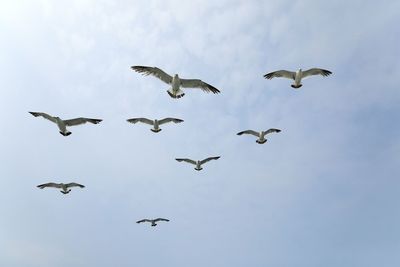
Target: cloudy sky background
[[323, 192]]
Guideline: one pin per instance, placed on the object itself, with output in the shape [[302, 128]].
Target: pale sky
[[323, 192]]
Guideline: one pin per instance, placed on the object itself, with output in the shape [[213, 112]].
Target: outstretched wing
[[156, 72], [144, 120], [187, 160], [161, 219], [41, 186], [81, 120], [75, 184], [316, 71], [280, 73], [272, 130], [208, 159], [144, 220], [195, 83], [166, 120], [249, 132], [44, 115]]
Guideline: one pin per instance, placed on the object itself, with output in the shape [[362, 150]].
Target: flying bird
[[261, 135], [64, 187], [153, 222], [62, 124], [155, 123], [198, 163], [176, 82], [298, 75]]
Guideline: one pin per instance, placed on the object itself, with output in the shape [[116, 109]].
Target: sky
[[323, 192]]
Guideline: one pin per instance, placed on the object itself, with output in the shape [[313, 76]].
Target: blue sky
[[323, 192]]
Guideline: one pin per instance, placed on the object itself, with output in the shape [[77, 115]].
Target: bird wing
[[81, 120], [159, 73], [41, 186], [144, 220], [272, 130], [280, 73], [75, 184], [166, 120], [316, 71], [44, 115], [208, 159], [161, 219], [249, 132], [195, 83], [187, 160], [144, 120]]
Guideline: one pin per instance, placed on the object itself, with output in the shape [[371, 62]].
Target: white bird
[[298, 75], [198, 163], [62, 124], [155, 123], [177, 83], [261, 135], [64, 187], [153, 222]]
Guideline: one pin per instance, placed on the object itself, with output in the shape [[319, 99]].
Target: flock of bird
[[175, 91]]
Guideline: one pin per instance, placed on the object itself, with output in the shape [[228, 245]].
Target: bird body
[[197, 163], [261, 135], [155, 123], [297, 79], [62, 127], [64, 187], [175, 81], [175, 91], [62, 124], [298, 75], [198, 166], [156, 126]]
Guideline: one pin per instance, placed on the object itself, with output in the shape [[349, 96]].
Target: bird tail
[[65, 133], [176, 95]]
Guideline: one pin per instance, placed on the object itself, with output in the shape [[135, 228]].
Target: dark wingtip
[[214, 90], [268, 76], [326, 72], [140, 69]]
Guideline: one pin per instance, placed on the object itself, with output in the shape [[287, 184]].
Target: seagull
[[261, 135], [156, 123], [176, 82], [199, 162], [62, 124], [298, 75], [64, 187], [153, 222]]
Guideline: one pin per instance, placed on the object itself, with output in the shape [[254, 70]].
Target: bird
[[153, 222], [64, 187], [176, 82], [261, 135], [62, 124], [198, 163], [155, 123], [298, 75]]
